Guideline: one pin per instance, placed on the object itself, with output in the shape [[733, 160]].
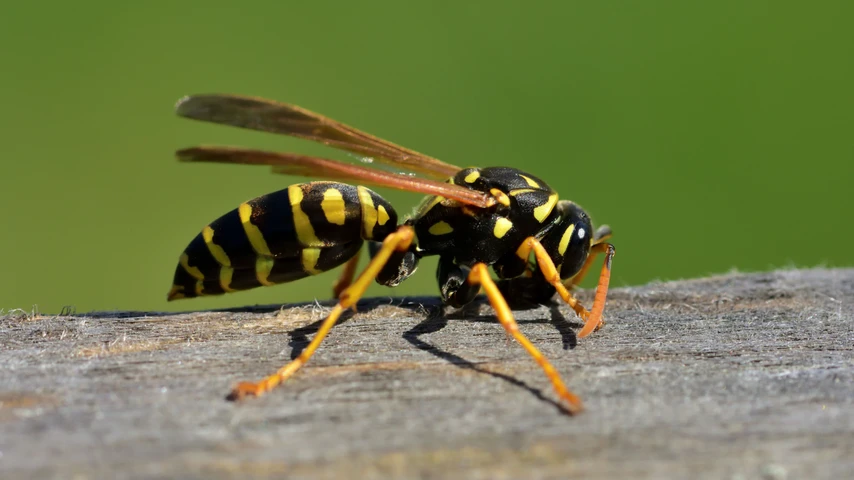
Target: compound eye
[[574, 249]]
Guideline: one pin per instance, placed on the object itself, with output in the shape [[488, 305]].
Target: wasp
[[474, 219]]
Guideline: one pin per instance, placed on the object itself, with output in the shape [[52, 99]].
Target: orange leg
[[346, 277], [593, 318], [480, 275], [397, 241]]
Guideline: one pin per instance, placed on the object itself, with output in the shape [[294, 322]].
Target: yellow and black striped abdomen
[[283, 236]]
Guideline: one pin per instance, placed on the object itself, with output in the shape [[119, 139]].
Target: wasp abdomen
[[283, 236]]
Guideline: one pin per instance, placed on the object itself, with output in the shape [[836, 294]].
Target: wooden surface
[[736, 377]]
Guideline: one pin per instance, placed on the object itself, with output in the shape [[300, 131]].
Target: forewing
[[269, 116]]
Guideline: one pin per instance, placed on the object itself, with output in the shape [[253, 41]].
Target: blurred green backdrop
[[709, 135]]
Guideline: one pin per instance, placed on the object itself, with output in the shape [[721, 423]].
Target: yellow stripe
[[369, 213], [382, 215], [502, 226], [531, 181], [225, 274], [471, 177], [520, 191], [256, 238], [302, 224], [200, 290], [217, 251], [333, 206], [500, 196], [543, 211], [440, 228], [564, 240], [309, 260], [176, 292], [194, 271], [263, 267]]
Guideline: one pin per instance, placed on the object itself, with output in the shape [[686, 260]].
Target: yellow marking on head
[[531, 181], [217, 251], [175, 293], [502, 226], [263, 267], [500, 196], [440, 228], [256, 238], [471, 177], [369, 212], [200, 288], [302, 224], [225, 274], [333, 206], [194, 271], [543, 211], [564, 240], [382, 215], [309, 260]]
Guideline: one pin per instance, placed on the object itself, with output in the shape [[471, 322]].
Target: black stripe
[[212, 287], [336, 255], [200, 257], [272, 215], [183, 279], [244, 279], [287, 270], [229, 234]]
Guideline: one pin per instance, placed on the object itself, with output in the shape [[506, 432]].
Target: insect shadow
[[436, 319]]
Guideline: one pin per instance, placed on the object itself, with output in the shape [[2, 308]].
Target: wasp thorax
[[524, 207]]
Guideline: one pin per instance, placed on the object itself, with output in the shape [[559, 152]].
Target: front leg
[[592, 318]]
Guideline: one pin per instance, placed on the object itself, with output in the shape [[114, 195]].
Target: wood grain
[[734, 376]]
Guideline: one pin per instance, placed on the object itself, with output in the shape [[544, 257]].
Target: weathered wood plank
[[737, 376]]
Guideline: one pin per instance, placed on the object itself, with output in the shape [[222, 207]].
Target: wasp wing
[[270, 116]]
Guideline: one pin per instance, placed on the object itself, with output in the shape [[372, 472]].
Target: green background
[[709, 135]]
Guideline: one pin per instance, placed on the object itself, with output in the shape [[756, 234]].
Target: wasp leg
[[480, 276], [456, 291], [347, 275], [400, 265], [593, 318], [400, 240], [602, 233]]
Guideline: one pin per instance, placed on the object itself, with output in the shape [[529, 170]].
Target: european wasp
[[472, 218]]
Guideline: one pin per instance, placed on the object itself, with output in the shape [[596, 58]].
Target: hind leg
[[399, 241]]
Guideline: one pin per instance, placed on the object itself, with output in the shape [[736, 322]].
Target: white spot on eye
[[581, 233]]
